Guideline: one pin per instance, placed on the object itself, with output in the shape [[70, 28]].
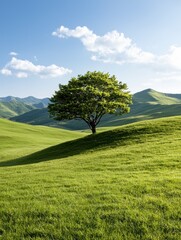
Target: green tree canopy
[[89, 97]]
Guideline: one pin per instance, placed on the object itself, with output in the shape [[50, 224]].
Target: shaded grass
[[124, 185]]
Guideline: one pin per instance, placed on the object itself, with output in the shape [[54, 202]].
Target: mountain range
[[147, 104], [14, 106]]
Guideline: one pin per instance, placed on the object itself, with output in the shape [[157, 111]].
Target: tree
[[89, 97]]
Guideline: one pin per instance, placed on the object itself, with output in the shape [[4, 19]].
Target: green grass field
[[123, 183], [21, 139]]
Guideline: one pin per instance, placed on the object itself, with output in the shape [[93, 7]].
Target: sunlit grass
[[119, 184]]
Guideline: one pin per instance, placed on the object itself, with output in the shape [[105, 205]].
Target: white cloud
[[53, 71], [78, 32], [114, 47], [21, 75], [111, 47], [172, 58], [24, 68], [13, 53], [139, 56], [6, 72], [24, 65]]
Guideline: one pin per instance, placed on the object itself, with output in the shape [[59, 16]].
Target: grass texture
[[123, 183]]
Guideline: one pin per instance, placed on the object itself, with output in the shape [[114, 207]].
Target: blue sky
[[47, 42]]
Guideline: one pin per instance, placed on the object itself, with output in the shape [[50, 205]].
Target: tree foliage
[[89, 97]]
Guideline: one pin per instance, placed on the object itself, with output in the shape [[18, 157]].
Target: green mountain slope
[[153, 97], [147, 104], [41, 117], [20, 139], [119, 184], [13, 106]]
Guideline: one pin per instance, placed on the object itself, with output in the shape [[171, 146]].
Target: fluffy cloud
[[111, 47], [13, 54], [78, 32], [172, 58], [6, 72], [114, 47], [21, 75], [24, 68]]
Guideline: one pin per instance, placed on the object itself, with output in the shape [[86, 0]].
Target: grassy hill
[[18, 139], [147, 104], [123, 183]]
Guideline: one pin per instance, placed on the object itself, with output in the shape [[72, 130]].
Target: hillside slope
[[20, 139], [147, 104], [115, 137], [119, 184], [153, 97]]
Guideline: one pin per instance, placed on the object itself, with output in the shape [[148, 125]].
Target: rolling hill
[[123, 183], [147, 104], [20, 139]]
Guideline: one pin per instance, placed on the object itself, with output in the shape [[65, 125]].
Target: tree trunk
[[93, 130], [93, 127]]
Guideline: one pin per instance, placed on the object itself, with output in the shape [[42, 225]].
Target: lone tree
[[89, 97]]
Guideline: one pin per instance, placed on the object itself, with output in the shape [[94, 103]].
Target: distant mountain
[[41, 117], [28, 100], [147, 104], [35, 101], [12, 106], [151, 96]]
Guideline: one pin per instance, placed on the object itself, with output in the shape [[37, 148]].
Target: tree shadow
[[113, 138], [59, 151], [67, 149]]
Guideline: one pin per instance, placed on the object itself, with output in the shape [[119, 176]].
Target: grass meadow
[[122, 183]]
